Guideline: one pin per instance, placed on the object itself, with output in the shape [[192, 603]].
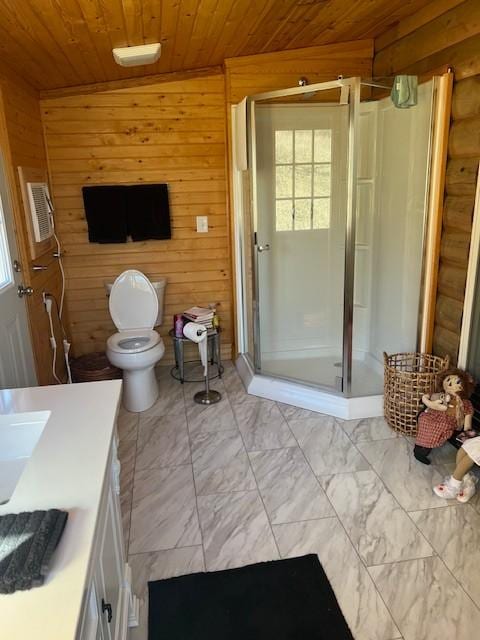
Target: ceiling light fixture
[[135, 56]]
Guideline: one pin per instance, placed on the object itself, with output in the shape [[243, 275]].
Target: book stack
[[200, 315]]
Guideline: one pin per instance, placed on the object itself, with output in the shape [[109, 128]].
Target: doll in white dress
[[461, 484]]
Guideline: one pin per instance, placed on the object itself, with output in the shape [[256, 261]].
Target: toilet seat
[[133, 302], [133, 341]]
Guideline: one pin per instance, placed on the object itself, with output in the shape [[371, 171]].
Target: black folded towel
[[148, 212], [27, 543], [106, 212]]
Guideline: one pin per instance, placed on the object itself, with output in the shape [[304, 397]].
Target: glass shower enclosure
[[332, 226]]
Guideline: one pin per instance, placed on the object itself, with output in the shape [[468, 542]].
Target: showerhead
[[303, 82]]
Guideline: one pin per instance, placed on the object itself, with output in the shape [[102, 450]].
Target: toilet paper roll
[[198, 333]]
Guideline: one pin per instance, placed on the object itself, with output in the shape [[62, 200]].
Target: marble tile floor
[[249, 480]]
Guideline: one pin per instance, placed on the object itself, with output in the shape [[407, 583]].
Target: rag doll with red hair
[[446, 413]]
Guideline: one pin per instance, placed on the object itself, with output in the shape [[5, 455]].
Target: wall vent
[[40, 209]]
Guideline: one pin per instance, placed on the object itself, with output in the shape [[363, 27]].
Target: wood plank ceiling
[[61, 43]]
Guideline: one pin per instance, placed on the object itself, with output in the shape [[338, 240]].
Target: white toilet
[[136, 307]]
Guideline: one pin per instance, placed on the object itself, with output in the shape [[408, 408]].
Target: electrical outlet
[[202, 224]]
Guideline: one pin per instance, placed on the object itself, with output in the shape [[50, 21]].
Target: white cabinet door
[[110, 570], [91, 627], [110, 605]]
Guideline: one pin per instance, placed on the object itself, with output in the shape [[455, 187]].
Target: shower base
[[322, 370], [304, 396]]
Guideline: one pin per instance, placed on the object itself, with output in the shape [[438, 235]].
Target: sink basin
[[19, 434]]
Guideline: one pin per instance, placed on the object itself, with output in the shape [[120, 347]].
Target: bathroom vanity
[[58, 449]]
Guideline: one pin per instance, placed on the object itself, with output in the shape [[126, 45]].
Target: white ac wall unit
[[40, 210], [37, 206]]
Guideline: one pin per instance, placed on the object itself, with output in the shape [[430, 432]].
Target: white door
[[16, 356], [301, 171]]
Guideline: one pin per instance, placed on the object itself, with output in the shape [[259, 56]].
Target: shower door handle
[[263, 247]]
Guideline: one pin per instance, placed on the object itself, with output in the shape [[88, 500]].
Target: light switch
[[202, 224]]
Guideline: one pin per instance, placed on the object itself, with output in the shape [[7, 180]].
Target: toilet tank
[[159, 286]]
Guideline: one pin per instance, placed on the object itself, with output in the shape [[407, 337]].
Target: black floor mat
[[280, 600]]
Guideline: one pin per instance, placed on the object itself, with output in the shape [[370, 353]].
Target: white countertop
[[66, 471]]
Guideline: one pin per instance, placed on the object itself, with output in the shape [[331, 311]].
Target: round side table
[[213, 354]]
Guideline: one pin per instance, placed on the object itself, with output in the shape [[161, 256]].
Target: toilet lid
[[133, 302]]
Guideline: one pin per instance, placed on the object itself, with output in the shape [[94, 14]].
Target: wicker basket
[[408, 376], [92, 367]]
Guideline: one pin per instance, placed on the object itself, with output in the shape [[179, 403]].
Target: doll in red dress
[[445, 413]]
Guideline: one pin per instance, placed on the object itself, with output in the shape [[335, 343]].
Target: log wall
[[446, 33]]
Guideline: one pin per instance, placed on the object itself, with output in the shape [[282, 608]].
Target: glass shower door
[[300, 192]]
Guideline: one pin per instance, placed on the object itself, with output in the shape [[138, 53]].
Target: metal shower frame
[[349, 95], [350, 89]]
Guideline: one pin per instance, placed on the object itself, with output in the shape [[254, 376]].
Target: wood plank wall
[[446, 32], [248, 75], [23, 145], [171, 132]]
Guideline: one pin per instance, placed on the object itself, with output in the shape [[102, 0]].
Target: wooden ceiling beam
[[128, 83], [356, 48]]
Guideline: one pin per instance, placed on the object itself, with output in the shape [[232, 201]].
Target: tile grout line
[[260, 399], [133, 486], [309, 465], [144, 553], [436, 554], [273, 448], [194, 484], [436, 467], [397, 624], [354, 444], [350, 540], [440, 556], [158, 418], [400, 506], [462, 587], [256, 484]]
